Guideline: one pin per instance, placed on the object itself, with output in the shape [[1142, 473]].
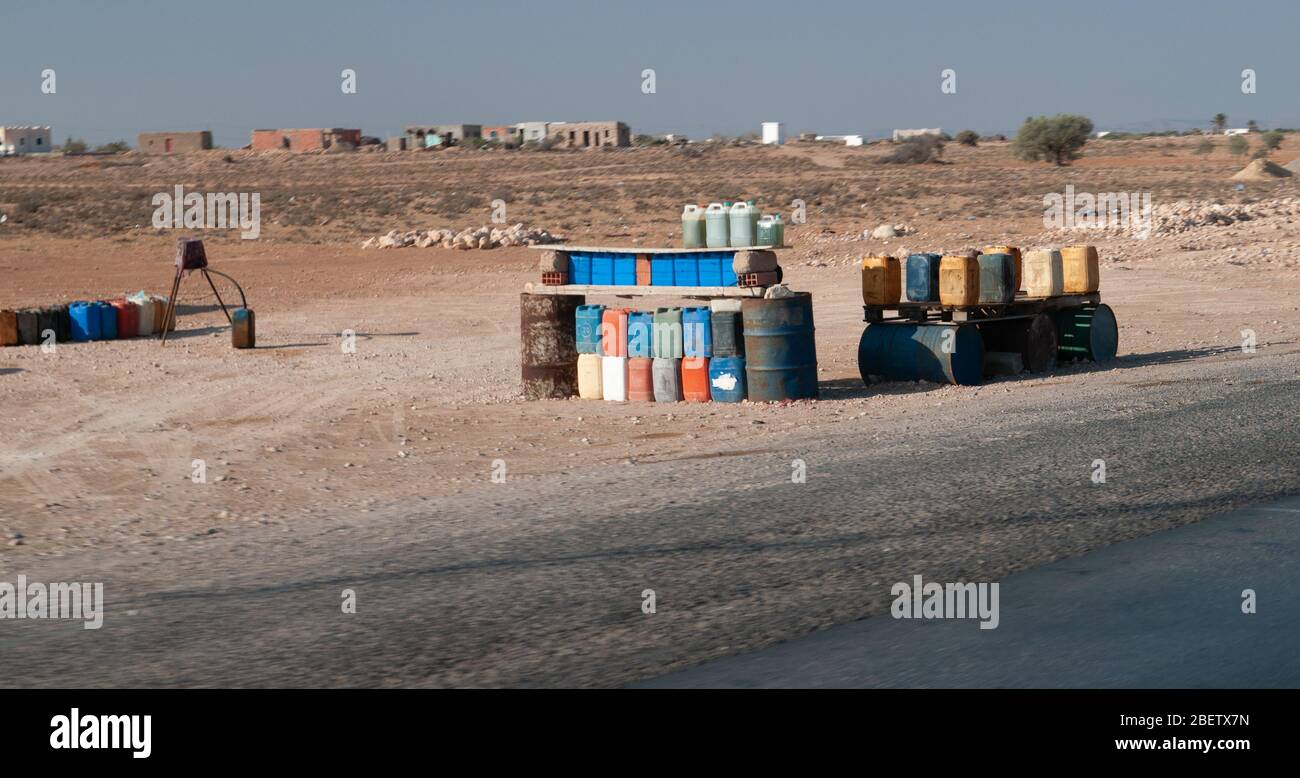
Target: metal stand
[[169, 316]]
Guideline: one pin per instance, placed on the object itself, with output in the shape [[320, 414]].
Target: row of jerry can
[[993, 276], [138, 315], [664, 333], [738, 225], [661, 379], [761, 350]]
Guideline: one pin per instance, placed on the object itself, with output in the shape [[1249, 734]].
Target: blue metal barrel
[[942, 353], [780, 348]]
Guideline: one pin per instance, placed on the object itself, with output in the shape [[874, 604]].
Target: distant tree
[[1237, 145], [911, 151], [1055, 139], [74, 145], [1252, 126], [116, 147], [1269, 141], [968, 138], [1206, 146], [1220, 121]]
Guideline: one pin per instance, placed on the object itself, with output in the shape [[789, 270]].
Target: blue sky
[[721, 66]]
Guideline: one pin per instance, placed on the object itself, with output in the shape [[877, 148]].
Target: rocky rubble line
[[472, 238]]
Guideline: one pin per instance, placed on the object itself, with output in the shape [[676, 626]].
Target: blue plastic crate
[[729, 272], [624, 269], [602, 268], [661, 270], [686, 270], [579, 268], [710, 268]]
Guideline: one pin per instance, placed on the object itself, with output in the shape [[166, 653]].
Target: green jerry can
[[243, 329]]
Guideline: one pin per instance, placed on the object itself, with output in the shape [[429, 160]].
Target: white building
[[1239, 131], [905, 134], [24, 140], [773, 133], [534, 131], [847, 140]]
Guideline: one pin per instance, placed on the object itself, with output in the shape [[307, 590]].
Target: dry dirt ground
[[99, 439]]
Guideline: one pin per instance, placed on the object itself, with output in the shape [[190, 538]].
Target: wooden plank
[[648, 291], [650, 249]]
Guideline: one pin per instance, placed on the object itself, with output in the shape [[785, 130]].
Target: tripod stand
[[190, 256]]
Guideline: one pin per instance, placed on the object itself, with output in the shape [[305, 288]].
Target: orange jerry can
[[695, 379], [1079, 265], [959, 280], [882, 281], [640, 380], [613, 332]]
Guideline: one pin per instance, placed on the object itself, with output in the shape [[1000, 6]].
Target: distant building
[[590, 135], [773, 133], [24, 140], [316, 139], [419, 136], [1103, 133], [1238, 131], [905, 134], [396, 143], [173, 142], [847, 140], [501, 134], [534, 131]]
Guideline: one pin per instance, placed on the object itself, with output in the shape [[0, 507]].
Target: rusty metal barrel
[[548, 344]]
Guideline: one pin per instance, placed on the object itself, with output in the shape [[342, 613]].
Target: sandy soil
[[99, 439]]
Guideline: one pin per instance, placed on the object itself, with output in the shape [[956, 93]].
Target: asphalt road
[[541, 582], [1165, 611]]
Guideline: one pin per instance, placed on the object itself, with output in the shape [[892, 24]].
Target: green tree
[[1237, 145], [74, 145], [1252, 126], [968, 138], [1220, 121], [1269, 141], [116, 147], [1206, 146], [1056, 139]]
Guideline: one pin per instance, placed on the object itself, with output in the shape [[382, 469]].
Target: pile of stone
[[887, 231], [475, 238], [1183, 216]]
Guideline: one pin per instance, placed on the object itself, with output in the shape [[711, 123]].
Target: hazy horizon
[[723, 67]]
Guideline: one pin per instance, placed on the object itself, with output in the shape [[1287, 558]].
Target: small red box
[[766, 278], [554, 278]]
